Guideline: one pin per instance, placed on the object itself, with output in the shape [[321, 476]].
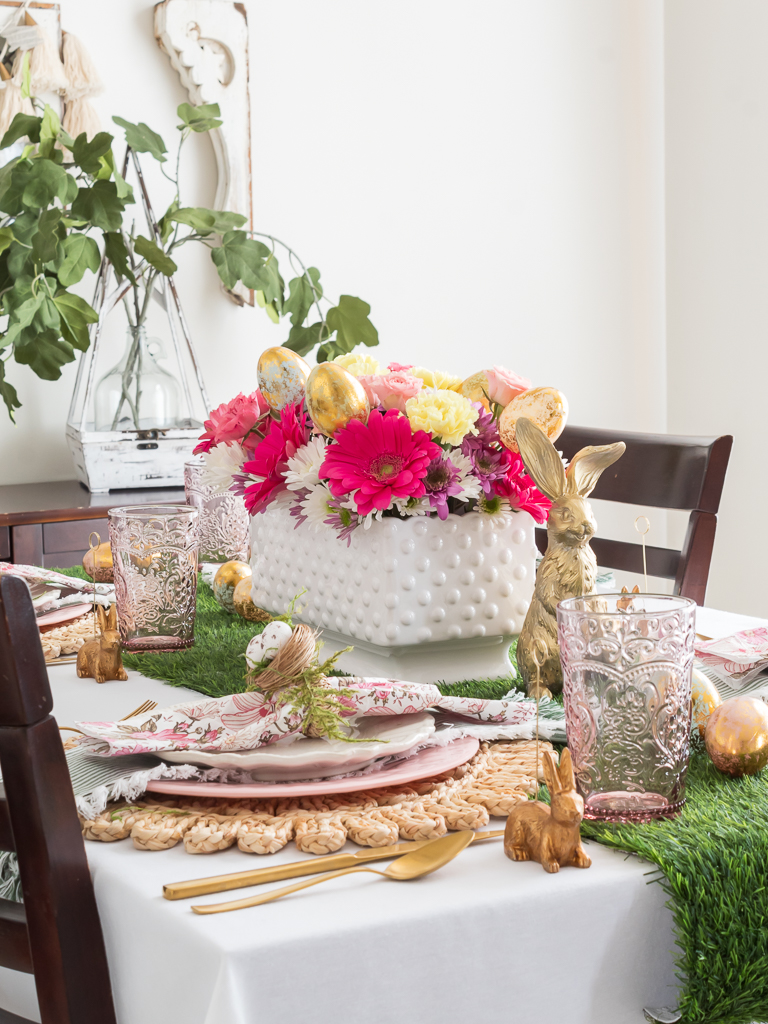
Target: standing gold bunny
[[569, 568]]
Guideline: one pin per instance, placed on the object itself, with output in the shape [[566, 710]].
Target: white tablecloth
[[484, 939]]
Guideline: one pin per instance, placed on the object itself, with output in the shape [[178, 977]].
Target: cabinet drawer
[[69, 537], [5, 544]]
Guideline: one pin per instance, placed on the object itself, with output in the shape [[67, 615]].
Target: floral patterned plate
[[287, 760], [423, 765]]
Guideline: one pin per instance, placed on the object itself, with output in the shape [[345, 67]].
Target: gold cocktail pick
[[92, 548], [539, 655], [642, 537]]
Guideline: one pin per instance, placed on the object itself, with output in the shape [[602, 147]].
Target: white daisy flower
[[304, 466], [221, 463], [498, 510], [316, 506], [412, 506], [468, 482]]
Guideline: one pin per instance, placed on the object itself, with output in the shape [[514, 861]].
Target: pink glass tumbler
[[154, 550], [627, 663]]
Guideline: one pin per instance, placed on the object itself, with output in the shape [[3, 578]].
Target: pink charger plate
[[66, 614], [430, 761]]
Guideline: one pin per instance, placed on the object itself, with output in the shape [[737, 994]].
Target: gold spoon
[[413, 865]]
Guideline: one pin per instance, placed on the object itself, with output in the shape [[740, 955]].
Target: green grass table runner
[[713, 858]]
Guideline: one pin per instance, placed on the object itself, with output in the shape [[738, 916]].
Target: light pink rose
[[391, 390], [232, 421], [400, 367], [505, 385]]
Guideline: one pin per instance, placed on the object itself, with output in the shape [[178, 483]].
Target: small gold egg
[[736, 736], [334, 397], [282, 377], [477, 388], [546, 407], [243, 603], [226, 579], [705, 699]]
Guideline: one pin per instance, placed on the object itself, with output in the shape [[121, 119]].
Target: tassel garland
[[11, 103], [45, 67], [82, 76], [79, 116]]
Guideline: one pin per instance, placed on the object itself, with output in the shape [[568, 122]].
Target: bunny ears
[[546, 467], [560, 779]]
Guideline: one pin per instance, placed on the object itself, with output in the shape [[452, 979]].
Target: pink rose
[[391, 390], [400, 367], [505, 385], [232, 421]]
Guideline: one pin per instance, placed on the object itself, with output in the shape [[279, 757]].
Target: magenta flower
[[270, 460], [379, 460], [442, 481], [520, 490]]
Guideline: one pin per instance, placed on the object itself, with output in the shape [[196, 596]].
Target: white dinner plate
[[381, 736]]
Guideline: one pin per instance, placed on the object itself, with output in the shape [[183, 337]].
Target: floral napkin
[[736, 659], [244, 721]]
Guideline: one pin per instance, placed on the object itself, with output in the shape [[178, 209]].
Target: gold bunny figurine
[[568, 569], [100, 658], [549, 835]]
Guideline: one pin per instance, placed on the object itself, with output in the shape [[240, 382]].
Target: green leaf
[[5, 179], [124, 190], [21, 319], [199, 119], [142, 139], [117, 254], [301, 296], [100, 205], [239, 258], [46, 239], [38, 182], [271, 283], [155, 256], [50, 124], [166, 223], [350, 321], [76, 254], [22, 126], [303, 339], [45, 354], [6, 237], [76, 314], [208, 222], [8, 393], [88, 155], [26, 78]]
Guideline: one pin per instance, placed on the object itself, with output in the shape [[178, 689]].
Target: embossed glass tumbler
[[224, 519], [627, 663], [154, 549]]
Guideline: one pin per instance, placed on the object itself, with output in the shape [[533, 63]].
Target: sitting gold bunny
[[569, 568], [549, 835], [99, 658]]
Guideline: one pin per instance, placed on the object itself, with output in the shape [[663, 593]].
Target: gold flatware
[[297, 868], [413, 865], [147, 705]]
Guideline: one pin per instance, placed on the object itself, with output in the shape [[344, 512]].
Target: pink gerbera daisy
[[521, 492], [269, 464], [379, 461]]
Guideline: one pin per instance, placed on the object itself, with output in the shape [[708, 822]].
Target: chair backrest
[[664, 471], [56, 933]]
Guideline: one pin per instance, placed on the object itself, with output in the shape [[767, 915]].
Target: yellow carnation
[[358, 365], [437, 379], [444, 413]]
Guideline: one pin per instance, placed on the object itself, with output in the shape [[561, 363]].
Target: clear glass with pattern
[[224, 520], [154, 550], [627, 661]]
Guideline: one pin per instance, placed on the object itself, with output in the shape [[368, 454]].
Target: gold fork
[[147, 705]]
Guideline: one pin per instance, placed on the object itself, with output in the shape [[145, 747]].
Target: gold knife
[[297, 868]]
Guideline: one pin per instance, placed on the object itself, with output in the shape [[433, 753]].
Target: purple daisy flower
[[441, 481], [489, 460]]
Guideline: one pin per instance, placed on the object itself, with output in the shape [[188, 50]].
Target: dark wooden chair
[[663, 471], [55, 934]]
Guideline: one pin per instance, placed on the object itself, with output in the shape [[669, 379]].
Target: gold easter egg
[[477, 388], [334, 397], [736, 736], [282, 377], [546, 407], [243, 603], [97, 562], [705, 699], [226, 579]]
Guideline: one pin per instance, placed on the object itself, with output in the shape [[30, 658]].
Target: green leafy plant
[[64, 205]]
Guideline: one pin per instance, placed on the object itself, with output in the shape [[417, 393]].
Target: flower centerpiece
[[390, 497]]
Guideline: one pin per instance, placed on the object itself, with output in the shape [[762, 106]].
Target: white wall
[[489, 177], [717, 264]]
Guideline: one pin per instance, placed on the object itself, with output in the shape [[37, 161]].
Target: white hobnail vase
[[421, 598]]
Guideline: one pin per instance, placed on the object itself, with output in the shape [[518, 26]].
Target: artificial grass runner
[[713, 858]]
